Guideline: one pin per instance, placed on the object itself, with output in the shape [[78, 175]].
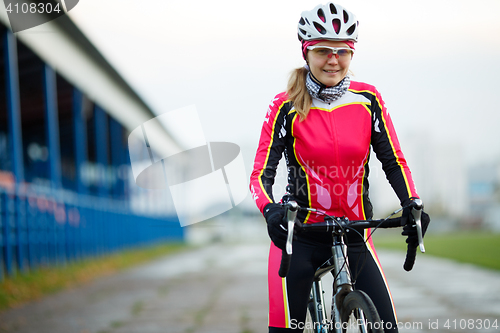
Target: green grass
[[476, 247], [15, 291]]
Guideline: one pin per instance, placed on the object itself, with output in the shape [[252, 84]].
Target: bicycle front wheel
[[359, 314]]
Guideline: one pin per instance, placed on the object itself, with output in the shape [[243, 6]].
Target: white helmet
[[329, 21]]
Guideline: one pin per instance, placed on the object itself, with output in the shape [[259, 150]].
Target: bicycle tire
[[351, 322]]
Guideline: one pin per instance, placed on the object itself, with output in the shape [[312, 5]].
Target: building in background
[[66, 189]]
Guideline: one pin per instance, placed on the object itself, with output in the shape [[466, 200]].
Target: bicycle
[[352, 310]]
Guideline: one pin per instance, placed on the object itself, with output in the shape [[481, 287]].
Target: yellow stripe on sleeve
[[269, 151], [298, 161], [389, 137]]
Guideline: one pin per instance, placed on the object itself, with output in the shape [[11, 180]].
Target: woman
[[325, 125]]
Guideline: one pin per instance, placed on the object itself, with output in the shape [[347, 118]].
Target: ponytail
[[297, 92]]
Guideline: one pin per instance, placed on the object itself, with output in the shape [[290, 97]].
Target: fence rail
[[47, 230]]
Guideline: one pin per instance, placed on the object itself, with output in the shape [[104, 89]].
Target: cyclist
[[325, 124]]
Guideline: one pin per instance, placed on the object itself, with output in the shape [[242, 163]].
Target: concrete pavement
[[440, 295], [218, 288], [222, 288]]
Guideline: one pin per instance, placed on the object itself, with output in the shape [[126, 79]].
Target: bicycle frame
[[342, 285], [339, 264]]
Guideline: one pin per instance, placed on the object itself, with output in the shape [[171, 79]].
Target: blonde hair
[[297, 92]]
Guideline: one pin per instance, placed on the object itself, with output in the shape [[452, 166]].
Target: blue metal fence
[[39, 230]]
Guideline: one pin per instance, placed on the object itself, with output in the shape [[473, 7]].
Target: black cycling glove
[[410, 228], [276, 227]]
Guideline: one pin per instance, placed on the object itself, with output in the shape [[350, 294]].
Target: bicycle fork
[[319, 307], [342, 284]]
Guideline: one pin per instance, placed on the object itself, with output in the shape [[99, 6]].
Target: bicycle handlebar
[[292, 209]]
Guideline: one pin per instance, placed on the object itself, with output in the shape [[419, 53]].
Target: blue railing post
[[8, 233], [21, 229], [3, 221], [31, 231]]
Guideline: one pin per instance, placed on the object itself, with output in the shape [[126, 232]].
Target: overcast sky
[[436, 63]]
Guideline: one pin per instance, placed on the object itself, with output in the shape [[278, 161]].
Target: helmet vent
[[333, 10], [329, 21], [336, 25], [321, 15], [350, 31], [320, 28]]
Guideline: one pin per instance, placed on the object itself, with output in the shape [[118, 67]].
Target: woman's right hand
[[276, 227]]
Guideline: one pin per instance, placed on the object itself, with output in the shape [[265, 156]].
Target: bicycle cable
[[365, 246], [343, 232], [343, 228]]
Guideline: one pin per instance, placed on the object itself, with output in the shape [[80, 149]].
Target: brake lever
[[417, 214], [291, 214]]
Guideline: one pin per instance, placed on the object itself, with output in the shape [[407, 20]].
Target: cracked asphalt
[[222, 287]]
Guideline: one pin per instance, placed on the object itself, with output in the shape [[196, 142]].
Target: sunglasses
[[328, 51]]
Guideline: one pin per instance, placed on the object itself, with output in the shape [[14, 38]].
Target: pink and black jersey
[[327, 154]]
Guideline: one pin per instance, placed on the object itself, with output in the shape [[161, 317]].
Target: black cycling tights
[[288, 302]]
